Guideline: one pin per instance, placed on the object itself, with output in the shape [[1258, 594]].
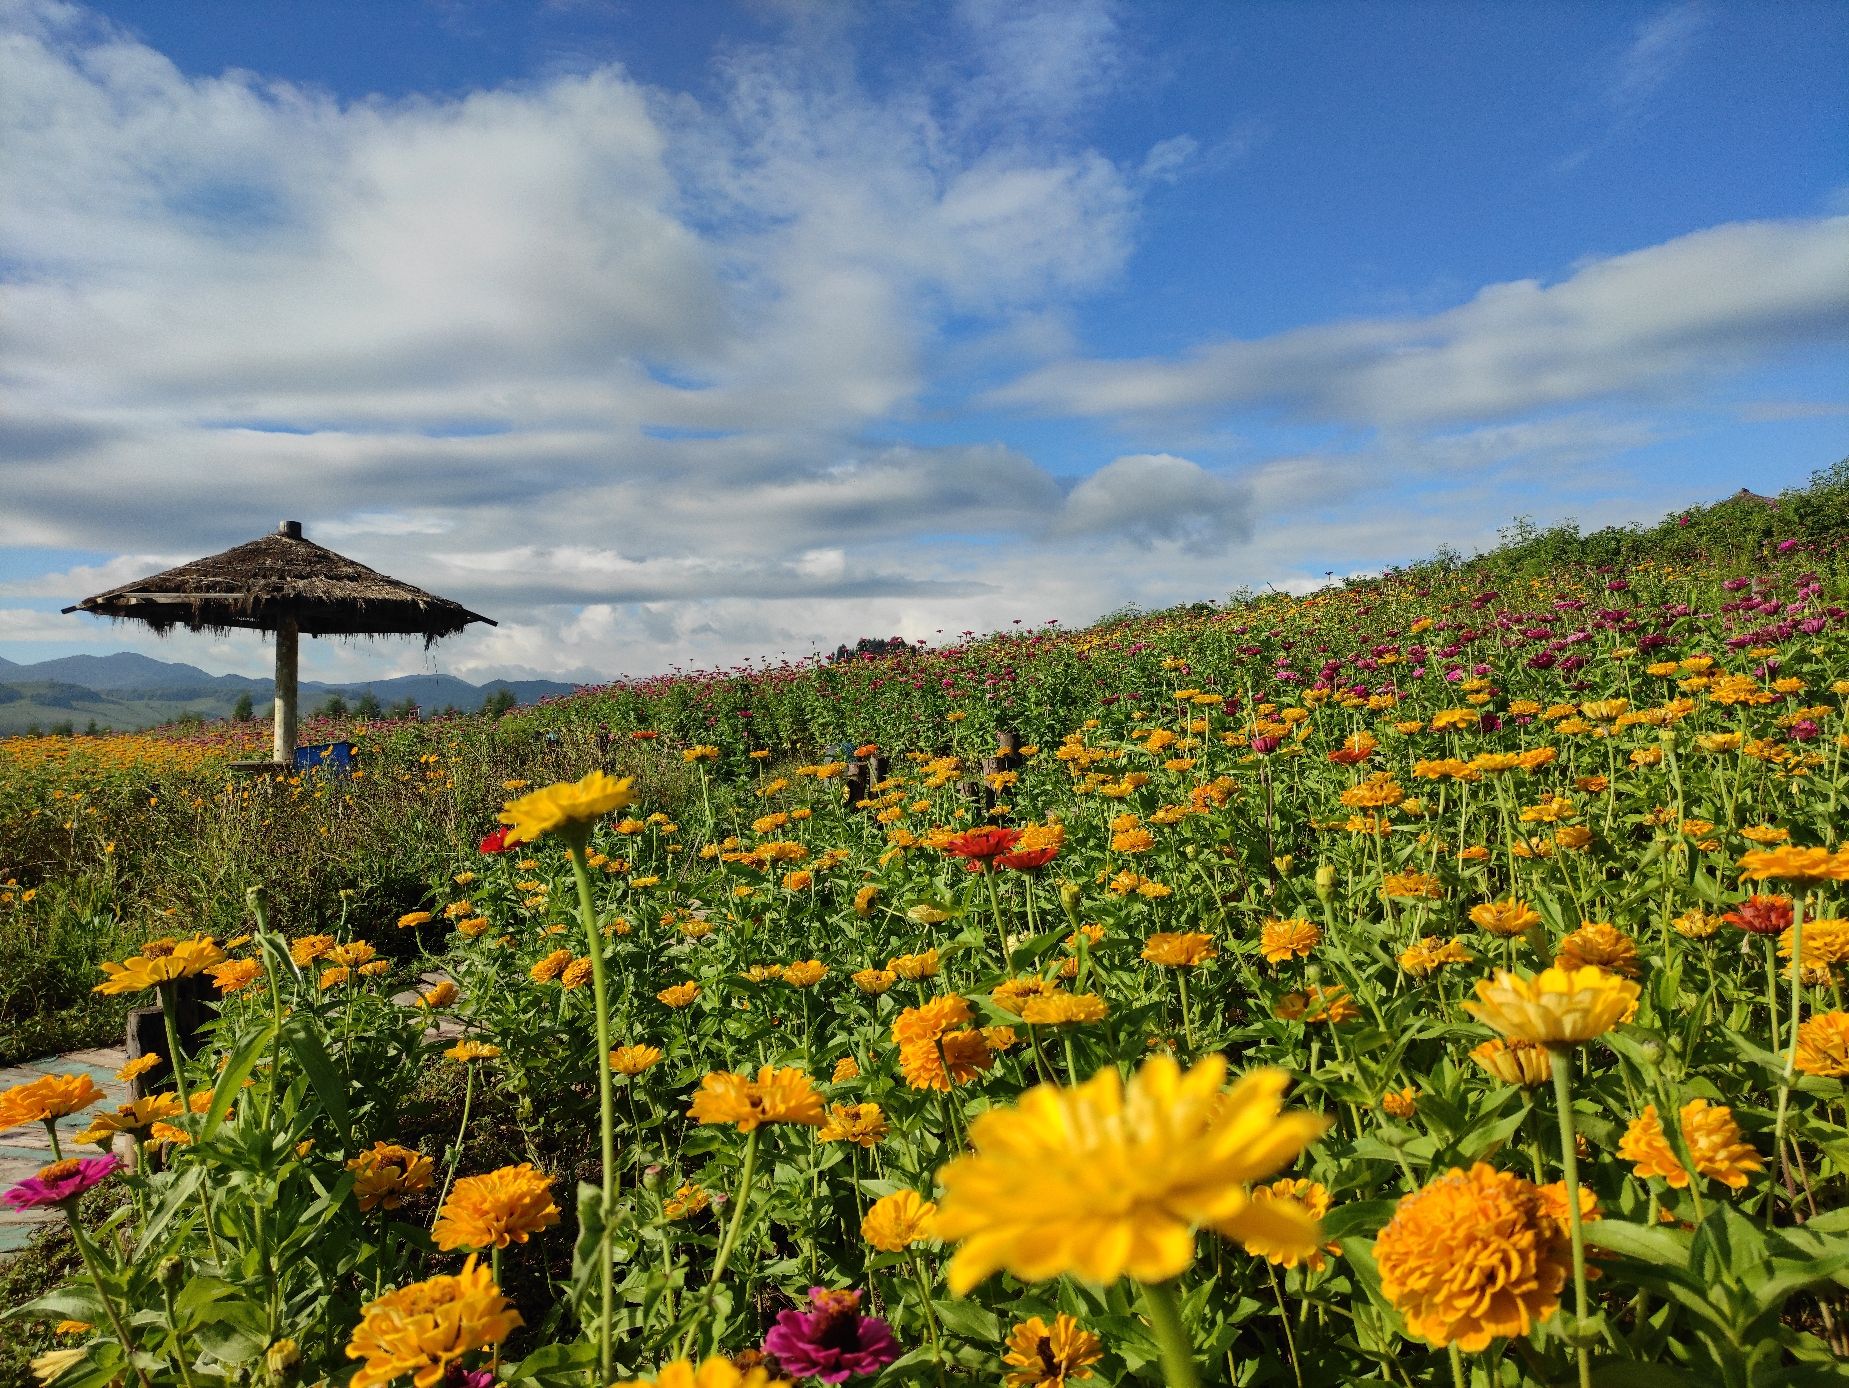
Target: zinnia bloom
[[679, 994], [1474, 1255], [495, 1210], [1515, 1062], [47, 1100], [1043, 1356], [1804, 866], [913, 967], [955, 1057], [1302, 1198], [1180, 949], [1598, 945], [234, 974], [59, 1183], [873, 982], [1291, 939], [633, 1060], [137, 1118], [1823, 1044], [465, 1051], [775, 1096], [150, 970], [569, 808], [831, 1341], [1557, 1007], [1058, 1009], [895, 1222], [716, 1372], [1761, 915], [1317, 1003], [1108, 1178], [1713, 1139], [425, 1328], [686, 1202], [979, 848], [386, 1174], [862, 1124], [1505, 918]]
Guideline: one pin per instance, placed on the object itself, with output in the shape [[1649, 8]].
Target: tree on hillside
[[404, 708], [332, 707], [500, 702], [243, 710], [367, 706]]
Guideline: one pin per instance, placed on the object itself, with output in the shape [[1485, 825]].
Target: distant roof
[[1745, 495], [282, 576]]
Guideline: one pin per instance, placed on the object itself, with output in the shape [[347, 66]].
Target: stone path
[[24, 1150]]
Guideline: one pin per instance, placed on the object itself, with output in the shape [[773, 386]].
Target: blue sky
[[693, 333]]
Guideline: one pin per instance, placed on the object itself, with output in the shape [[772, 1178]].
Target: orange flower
[[1823, 1045], [1713, 1140], [1598, 945], [423, 1329], [776, 1096], [47, 1100], [1180, 950], [955, 1057], [385, 1174], [1291, 939], [1510, 917], [496, 1209]]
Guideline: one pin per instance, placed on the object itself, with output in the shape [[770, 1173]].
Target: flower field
[[1435, 979]]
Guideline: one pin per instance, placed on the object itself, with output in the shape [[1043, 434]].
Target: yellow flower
[[1598, 945], [1298, 1199], [569, 808], [686, 1202], [51, 1098], [1318, 1004], [1291, 939], [1180, 949], [1524, 1063], [775, 1096], [1108, 1178], [149, 969], [1713, 1139], [805, 973], [913, 967], [1428, 954], [895, 1222], [1043, 1356], [862, 1124], [1057, 1009], [550, 967], [938, 1062], [847, 1068], [1800, 865], [716, 1372], [1473, 1256], [1558, 1007], [411, 919], [496, 1209], [136, 1068], [385, 1174], [138, 1118], [1696, 924], [1823, 1045], [873, 982], [863, 901], [679, 994], [1011, 995], [422, 1329], [48, 1367], [633, 1060], [1509, 917], [1401, 1103], [234, 974], [466, 1051]]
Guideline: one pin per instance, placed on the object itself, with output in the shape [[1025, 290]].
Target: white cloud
[[1623, 325], [1660, 44]]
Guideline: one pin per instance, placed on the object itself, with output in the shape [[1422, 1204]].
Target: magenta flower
[[59, 1182], [831, 1341]]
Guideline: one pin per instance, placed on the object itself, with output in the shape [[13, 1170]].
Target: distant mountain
[[127, 691]]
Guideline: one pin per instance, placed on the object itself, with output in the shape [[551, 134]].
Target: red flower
[[979, 848], [1762, 915], [496, 842], [1027, 860]]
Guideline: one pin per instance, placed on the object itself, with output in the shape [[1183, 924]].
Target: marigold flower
[[423, 1329], [1043, 1356], [1107, 1178], [1557, 1007], [1518, 1062], [1180, 949], [495, 1209], [49, 1099], [861, 1124], [633, 1060], [1505, 918], [775, 1096], [569, 808], [1473, 1256], [895, 1222], [1598, 945], [716, 1372], [1823, 1044], [149, 970], [385, 1174], [1291, 939], [1713, 1139], [1058, 1009]]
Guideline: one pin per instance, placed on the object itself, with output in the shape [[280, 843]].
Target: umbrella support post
[[287, 638]]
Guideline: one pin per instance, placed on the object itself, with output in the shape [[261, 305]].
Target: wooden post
[[286, 637]]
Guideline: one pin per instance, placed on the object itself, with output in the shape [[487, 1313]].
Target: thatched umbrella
[[288, 585]]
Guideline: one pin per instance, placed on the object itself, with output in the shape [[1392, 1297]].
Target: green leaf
[[1657, 1246], [969, 1320], [231, 1080], [299, 1035]]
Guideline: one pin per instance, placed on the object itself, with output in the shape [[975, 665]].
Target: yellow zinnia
[[776, 1096], [717, 1372], [1108, 1178], [1557, 1007], [1713, 1139], [47, 1100], [1823, 1045], [150, 969], [424, 1328], [568, 809], [496, 1209], [895, 1222]]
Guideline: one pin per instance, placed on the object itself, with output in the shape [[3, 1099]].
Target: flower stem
[[1164, 1309], [176, 1060], [1569, 1166], [1791, 1053], [87, 1251], [455, 1154], [606, 1107], [730, 1241]]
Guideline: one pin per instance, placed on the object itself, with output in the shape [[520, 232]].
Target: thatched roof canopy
[[279, 578]]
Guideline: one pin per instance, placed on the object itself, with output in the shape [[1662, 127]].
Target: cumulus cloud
[[1154, 497], [1622, 325]]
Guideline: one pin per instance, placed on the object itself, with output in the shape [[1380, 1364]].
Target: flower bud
[[1325, 883], [170, 1272], [282, 1356], [1069, 901]]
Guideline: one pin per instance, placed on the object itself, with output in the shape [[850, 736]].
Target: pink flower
[[60, 1182], [831, 1341]]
